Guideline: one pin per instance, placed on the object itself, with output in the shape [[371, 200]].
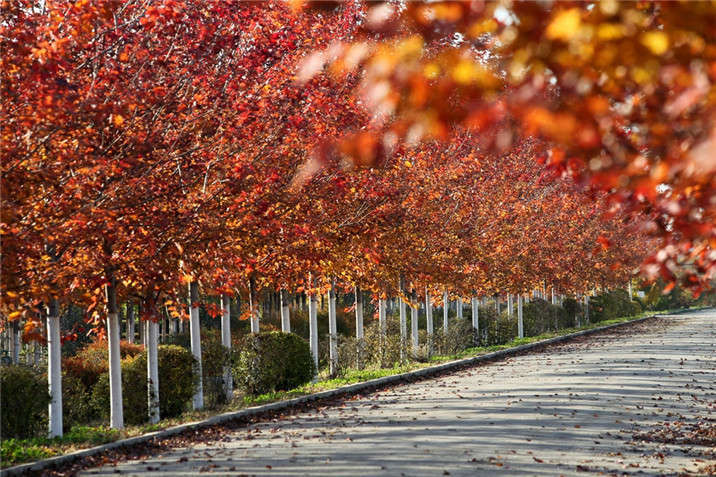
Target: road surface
[[595, 406]]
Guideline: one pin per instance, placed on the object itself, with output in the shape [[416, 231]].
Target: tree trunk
[[332, 332], [130, 322], [520, 324], [510, 305], [458, 305], [446, 303], [152, 370], [475, 302], [226, 341], [254, 306], [115, 370], [359, 313], [554, 297], [195, 338], [414, 322], [285, 312], [313, 327], [403, 318], [497, 304], [54, 370], [15, 343], [428, 313]]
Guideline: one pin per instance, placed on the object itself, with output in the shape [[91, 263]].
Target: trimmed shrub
[[610, 305], [273, 361], [573, 309], [24, 401], [496, 329], [213, 358], [77, 408], [92, 361], [540, 316], [459, 337], [176, 385]]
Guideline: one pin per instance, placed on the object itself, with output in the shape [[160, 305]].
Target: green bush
[[214, 356], [540, 316], [496, 329], [23, 402], [459, 336], [273, 361], [610, 305], [77, 408], [176, 385], [573, 309]]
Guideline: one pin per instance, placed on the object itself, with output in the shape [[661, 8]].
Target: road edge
[[346, 390]]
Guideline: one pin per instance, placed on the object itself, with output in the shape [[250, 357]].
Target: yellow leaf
[[117, 119], [656, 41], [564, 25]]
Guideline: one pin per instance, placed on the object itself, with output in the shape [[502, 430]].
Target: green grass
[[17, 451]]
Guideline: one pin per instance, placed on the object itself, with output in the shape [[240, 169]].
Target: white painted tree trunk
[[195, 338], [332, 332], [382, 323], [285, 312], [428, 313], [226, 341], [130, 322], [116, 411], [313, 326], [586, 308], [403, 327], [554, 297], [497, 304], [520, 324], [446, 306], [629, 290], [359, 313], [15, 342], [414, 323], [152, 370], [54, 370], [510, 306], [254, 307], [142, 329], [458, 304], [475, 314]]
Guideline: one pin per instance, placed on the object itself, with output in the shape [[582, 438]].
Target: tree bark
[[520, 324], [226, 341], [54, 369], [458, 305], [475, 302], [403, 318], [195, 338], [446, 303], [130, 322], [414, 322], [254, 306], [510, 305], [15, 341], [285, 312], [115, 366], [332, 332], [359, 312], [313, 324], [152, 370], [428, 313]]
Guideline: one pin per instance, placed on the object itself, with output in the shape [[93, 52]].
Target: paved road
[[574, 410]]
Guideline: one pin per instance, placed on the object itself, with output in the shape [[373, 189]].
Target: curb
[[347, 390]]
